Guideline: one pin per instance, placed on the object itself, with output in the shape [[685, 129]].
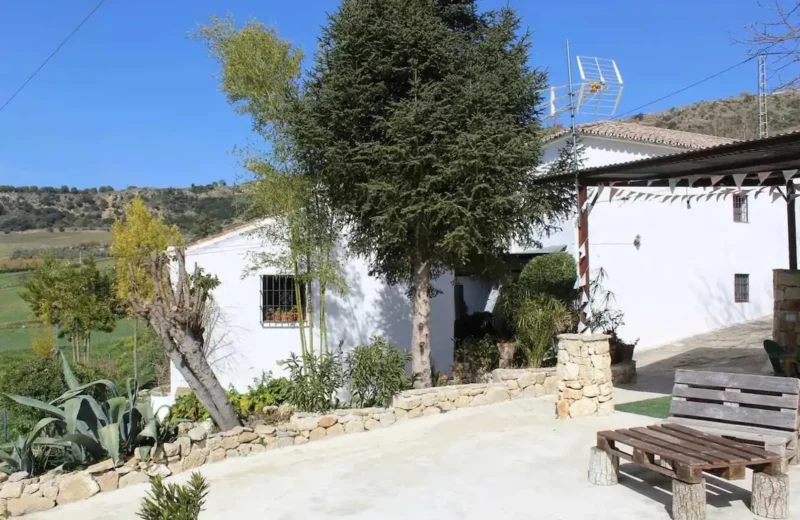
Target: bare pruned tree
[[779, 37], [176, 313]]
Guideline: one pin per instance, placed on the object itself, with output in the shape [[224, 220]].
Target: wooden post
[[603, 468], [688, 500], [770, 497], [791, 224], [583, 246]]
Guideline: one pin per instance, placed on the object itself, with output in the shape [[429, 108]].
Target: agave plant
[[95, 430], [20, 455]]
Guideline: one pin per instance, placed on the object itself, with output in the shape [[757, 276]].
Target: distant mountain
[[735, 117], [198, 210]]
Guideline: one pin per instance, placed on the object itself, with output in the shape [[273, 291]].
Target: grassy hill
[[198, 210], [735, 117]]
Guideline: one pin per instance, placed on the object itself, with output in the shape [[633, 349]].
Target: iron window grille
[[741, 288], [279, 299], [740, 208]]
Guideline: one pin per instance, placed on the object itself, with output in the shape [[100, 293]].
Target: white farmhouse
[[676, 269]]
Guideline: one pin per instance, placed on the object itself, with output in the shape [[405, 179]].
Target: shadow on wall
[[394, 315], [721, 310], [343, 313]]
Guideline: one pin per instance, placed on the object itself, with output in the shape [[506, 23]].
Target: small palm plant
[[175, 501]]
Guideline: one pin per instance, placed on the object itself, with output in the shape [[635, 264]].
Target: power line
[[662, 98], [60, 45]]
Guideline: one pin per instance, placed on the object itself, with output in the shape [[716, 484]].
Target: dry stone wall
[[786, 308], [585, 385], [197, 443]]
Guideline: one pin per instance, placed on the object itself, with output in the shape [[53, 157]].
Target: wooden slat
[[776, 401], [662, 452], [740, 415], [740, 455], [697, 449], [783, 385], [740, 429], [764, 455], [652, 467]]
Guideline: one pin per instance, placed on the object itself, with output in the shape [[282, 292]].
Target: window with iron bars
[[741, 288], [279, 299], [740, 208]]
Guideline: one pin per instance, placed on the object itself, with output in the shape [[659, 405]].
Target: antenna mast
[[572, 112], [763, 122]]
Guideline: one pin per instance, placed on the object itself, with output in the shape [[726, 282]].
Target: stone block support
[[585, 385], [786, 308]]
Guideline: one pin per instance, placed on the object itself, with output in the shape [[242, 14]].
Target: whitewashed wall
[[680, 281], [250, 347]]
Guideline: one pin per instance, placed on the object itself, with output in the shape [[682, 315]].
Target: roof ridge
[[645, 133]]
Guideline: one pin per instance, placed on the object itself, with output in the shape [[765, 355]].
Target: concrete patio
[[511, 460]]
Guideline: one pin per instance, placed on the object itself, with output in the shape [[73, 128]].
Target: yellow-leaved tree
[[148, 252]]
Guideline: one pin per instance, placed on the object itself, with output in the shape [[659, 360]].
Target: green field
[[41, 238]]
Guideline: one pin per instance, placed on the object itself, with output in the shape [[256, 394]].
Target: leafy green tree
[[419, 121]]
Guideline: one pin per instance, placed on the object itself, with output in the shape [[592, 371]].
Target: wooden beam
[[791, 221]]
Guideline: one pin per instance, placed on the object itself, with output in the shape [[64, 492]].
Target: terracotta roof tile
[[647, 134]]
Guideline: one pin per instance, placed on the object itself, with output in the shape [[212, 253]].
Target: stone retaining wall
[[585, 378], [786, 308], [197, 444], [623, 373]]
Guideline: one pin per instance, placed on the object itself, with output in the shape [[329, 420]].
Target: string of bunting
[[716, 193]]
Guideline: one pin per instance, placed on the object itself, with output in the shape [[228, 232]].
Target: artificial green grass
[[657, 407]]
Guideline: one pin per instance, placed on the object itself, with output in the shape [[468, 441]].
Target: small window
[[740, 207], [279, 299], [741, 288]]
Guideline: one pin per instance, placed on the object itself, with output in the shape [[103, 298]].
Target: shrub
[[475, 358], [42, 343], [315, 381], [553, 274], [189, 407], [537, 321], [175, 501], [376, 372]]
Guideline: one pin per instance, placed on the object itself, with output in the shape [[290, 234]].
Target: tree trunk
[[135, 349], [770, 497], [688, 500], [603, 468], [421, 326]]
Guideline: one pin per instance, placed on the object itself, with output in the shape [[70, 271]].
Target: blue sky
[[130, 100]]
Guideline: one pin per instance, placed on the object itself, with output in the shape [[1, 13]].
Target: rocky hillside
[[198, 210], [735, 117]]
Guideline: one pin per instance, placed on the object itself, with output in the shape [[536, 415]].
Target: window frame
[[285, 288], [741, 208], [741, 288]]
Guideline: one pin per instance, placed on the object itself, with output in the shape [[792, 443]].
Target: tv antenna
[[596, 94]]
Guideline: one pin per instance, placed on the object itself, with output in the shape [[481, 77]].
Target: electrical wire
[[662, 98], [52, 54]]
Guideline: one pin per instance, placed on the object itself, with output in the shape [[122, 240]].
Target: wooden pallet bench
[[752, 409], [684, 454]]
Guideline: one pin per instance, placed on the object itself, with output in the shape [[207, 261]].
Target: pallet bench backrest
[[737, 399]]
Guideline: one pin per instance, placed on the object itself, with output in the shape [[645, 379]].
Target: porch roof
[[713, 166]]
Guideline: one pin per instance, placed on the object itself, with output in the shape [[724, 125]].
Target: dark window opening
[[279, 299], [741, 288], [740, 208]]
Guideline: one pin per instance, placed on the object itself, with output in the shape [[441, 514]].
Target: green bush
[[175, 501], [554, 274], [39, 378], [315, 381], [376, 372], [265, 391], [474, 358], [538, 320]]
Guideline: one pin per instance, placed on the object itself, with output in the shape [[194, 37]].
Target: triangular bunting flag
[[649, 196], [674, 198], [738, 178], [611, 193], [693, 179], [599, 191], [639, 196], [788, 174], [716, 178], [772, 190], [776, 196], [758, 192], [763, 176], [708, 197], [582, 250], [672, 183]]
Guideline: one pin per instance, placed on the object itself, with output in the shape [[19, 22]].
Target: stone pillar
[[786, 308], [584, 376]]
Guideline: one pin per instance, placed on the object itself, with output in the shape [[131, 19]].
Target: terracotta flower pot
[[507, 350]]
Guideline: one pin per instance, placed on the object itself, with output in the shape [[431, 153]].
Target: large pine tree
[[419, 119]]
